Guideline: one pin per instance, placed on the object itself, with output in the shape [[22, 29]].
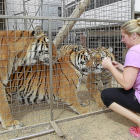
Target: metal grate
[[41, 93]]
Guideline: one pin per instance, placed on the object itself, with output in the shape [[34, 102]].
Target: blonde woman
[[126, 100]]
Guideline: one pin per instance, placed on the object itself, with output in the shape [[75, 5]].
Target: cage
[[40, 93]]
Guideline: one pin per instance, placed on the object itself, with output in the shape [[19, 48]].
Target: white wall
[[116, 11], [49, 8], [120, 10], [15, 7], [137, 5], [12, 9]]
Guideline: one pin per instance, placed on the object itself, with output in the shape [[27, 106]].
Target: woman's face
[[127, 39]]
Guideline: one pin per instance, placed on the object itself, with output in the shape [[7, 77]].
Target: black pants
[[125, 98]]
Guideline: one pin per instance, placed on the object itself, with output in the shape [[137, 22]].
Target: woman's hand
[[106, 62], [118, 65], [115, 64]]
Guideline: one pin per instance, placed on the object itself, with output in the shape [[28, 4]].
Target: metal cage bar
[[91, 30]]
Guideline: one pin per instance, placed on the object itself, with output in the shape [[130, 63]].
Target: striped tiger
[[124, 52], [32, 84], [100, 78], [66, 48], [19, 48]]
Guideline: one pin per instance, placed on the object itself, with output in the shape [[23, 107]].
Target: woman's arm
[[118, 65], [125, 79]]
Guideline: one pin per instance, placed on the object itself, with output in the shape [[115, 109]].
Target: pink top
[[133, 59]]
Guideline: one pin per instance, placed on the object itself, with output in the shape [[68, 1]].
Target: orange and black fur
[[32, 84], [100, 78], [18, 48]]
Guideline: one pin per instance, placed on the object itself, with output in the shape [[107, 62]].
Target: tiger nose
[[46, 60], [96, 64]]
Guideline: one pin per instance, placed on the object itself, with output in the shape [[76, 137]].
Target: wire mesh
[[72, 92]]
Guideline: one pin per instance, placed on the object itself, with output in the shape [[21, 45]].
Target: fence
[[41, 94]]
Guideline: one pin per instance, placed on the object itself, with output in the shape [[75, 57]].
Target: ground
[[105, 126], [96, 126]]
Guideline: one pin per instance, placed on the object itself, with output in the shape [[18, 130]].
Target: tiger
[[19, 48], [99, 78], [31, 84], [124, 52], [65, 48]]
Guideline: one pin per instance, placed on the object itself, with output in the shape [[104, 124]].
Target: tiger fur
[[32, 84], [100, 78], [124, 52], [19, 48]]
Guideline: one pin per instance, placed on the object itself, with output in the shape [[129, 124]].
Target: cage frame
[[53, 122]]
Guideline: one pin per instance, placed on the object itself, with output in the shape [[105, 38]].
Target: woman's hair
[[132, 26]]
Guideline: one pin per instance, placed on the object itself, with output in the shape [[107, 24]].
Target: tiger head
[[23, 47], [63, 50], [98, 55], [39, 48], [81, 60]]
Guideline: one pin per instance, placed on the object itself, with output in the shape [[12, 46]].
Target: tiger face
[[80, 57], [82, 60], [99, 78], [39, 48], [38, 51], [98, 55]]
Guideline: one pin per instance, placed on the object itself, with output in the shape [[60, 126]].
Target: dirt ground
[[98, 126], [105, 126]]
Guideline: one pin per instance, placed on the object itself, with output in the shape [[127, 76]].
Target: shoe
[[135, 131]]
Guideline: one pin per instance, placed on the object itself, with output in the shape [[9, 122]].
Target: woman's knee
[[104, 93], [105, 97]]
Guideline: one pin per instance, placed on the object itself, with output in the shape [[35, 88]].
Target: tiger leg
[[106, 79], [108, 84], [5, 113], [72, 100], [94, 85], [97, 97], [83, 102]]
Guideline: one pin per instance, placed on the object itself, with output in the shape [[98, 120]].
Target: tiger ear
[[78, 48], [37, 31], [110, 49]]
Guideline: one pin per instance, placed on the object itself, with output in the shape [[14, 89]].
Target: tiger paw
[[82, 110], [84, 103], [10, 125], [101, 105]]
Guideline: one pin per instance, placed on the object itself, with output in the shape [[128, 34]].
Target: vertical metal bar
[[6, 13], [41, 13], [95, 7], [95, 23], [51, 69], [87, 39], [132, 8], [15, 23], [24, 13], [64, 8], [35, 15]]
